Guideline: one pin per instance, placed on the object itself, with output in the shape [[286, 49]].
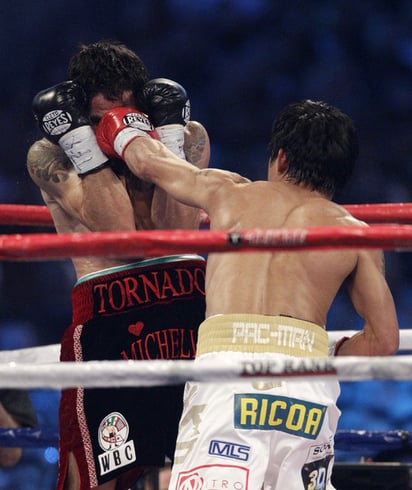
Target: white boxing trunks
[[246, 435]]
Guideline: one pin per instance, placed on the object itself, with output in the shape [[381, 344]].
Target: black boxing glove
[[60, 114], [168, 107], [165, 102]]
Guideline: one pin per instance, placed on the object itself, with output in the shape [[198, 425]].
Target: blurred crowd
[[241, 61]]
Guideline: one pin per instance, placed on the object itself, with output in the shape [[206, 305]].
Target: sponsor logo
[[214, 477], [288, 366], [192, 481], [315, 475], [138, 121], [270, 412], [112, 436], [229, 450], [265, 333], [316, 470], [56, 122], [320, 450]]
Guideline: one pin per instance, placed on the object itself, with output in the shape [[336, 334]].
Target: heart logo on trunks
[[136, 328]]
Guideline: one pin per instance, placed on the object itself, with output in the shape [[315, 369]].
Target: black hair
[[107, 67], [320, 144]]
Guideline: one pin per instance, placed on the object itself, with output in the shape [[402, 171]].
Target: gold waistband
[[251, 333]]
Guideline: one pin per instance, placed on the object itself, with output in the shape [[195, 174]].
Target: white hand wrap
[[173, 136], [81, 147], [126, 136]]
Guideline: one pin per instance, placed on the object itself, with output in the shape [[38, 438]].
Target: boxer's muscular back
[[302, 284]]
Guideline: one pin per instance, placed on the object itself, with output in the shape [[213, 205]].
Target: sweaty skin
[[301, 284], [104, 201]]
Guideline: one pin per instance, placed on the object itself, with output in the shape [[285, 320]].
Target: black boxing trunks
[[143, 311]]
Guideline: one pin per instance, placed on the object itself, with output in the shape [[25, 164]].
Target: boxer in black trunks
[[141, 311], [121, 310]]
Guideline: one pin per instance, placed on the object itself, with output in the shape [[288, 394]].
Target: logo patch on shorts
[[214, 477], [112, 436], [228, 449], [270, 412]]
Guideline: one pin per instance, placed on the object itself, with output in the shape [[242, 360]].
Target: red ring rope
[[19, 214], [155, 243]]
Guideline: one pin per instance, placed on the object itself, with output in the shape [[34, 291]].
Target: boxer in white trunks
[[269, 304]]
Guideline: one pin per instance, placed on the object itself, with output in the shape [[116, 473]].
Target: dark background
[[241, 61]]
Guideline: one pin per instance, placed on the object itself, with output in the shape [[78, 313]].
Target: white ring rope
[[36, 355], [50, 353], [104, 374]]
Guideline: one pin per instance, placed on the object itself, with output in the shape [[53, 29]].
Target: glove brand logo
[[56, 122], [138, 121]]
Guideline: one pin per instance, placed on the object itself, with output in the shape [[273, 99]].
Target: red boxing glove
[[119, 127]]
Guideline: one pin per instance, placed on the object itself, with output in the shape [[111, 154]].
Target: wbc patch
[[112, 436]]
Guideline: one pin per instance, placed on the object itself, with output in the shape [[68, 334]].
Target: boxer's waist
[[139, 284], [252, 333]]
